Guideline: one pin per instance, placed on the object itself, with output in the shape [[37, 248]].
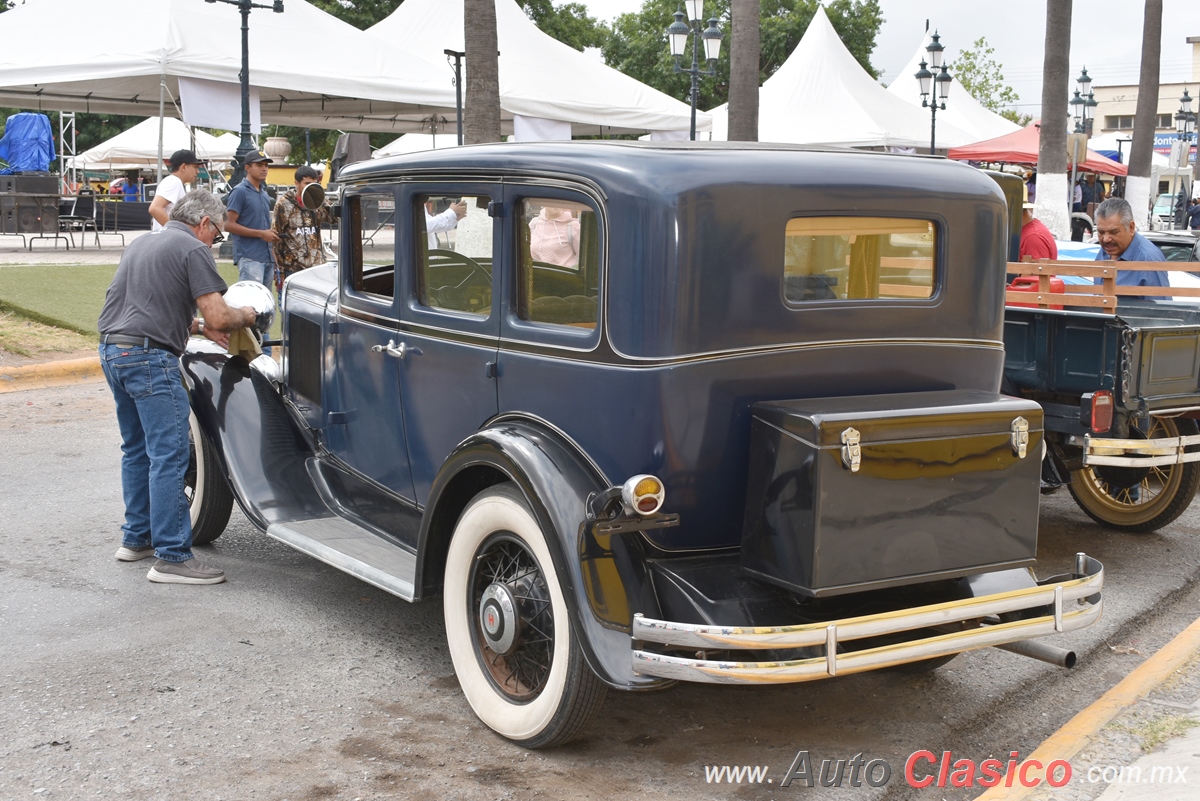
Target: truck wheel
[[517, 659], [208, 495], [1139, 499]]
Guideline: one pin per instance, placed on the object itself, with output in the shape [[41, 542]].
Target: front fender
[[603, 585], [261, 448]]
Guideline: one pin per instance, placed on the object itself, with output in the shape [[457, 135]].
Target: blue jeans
[[152, 412], [263, 273]]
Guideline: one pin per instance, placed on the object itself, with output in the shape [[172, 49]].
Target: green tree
[[362, 14], [569, 23], [638, 44], [983, 78]]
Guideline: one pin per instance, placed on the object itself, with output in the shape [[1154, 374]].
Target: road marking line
[[1079, 730]]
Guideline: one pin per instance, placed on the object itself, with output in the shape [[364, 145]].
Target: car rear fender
[[601, 583]]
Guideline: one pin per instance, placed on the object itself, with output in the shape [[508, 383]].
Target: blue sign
[[1164, 141]]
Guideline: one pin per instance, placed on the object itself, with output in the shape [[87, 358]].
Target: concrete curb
[[1079, 731], [50, 374]]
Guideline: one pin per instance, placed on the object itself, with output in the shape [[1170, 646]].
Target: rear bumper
[[1059, 605], [1140, 452]]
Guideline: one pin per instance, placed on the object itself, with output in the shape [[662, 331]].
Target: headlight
[[258, 297], [642, 495]]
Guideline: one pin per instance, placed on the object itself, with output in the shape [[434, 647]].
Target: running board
[[352, 549]]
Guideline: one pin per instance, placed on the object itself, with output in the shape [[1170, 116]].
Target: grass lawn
[[68, 296]]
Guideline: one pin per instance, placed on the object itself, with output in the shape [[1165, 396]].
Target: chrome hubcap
[[498, 618]]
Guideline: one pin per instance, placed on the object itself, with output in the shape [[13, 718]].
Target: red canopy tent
[[1021, 147]]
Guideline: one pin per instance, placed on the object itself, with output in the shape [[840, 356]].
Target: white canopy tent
[[415, 143], [137, 147], [540, 77], [1120, 144], [962, 110], [128, 56], [822, 96]]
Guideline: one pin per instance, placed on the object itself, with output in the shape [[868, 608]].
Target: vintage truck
[[1118, 378], [732, 416]]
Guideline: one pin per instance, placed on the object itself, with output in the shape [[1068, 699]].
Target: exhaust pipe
[[1046, 653]]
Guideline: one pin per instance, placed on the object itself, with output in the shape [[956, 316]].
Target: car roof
[[672, 168]]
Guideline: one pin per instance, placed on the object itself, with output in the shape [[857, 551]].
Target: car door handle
[[396, 351]]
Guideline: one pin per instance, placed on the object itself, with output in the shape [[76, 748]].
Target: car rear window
[[859, 258], [559, 261]]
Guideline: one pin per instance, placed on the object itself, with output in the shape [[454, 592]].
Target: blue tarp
[[28, 143]]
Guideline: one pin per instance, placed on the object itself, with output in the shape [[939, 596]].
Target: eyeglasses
[[218, 237]]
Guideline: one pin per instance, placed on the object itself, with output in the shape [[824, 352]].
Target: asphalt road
[[294, 681]]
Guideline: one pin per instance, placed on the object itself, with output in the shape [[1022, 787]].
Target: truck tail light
[[643, 495], [1096, 410]]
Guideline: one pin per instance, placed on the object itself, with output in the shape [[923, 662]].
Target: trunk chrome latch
[[851, 452], [1020, 436]]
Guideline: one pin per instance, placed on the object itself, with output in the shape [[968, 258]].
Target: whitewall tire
[[507, 625], [209, 498]]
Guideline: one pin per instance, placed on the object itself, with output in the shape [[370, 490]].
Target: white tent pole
[[162, 90]]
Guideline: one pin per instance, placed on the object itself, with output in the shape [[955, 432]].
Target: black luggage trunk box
[[863, 492]]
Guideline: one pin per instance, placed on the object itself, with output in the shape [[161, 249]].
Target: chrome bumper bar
[[1149, 452], [1074, 603]]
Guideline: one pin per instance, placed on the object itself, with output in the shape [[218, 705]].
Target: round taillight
[[643, 495], [647, 486]]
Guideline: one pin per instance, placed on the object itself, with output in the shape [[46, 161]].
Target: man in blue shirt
[[1120, 240], [249, 223]]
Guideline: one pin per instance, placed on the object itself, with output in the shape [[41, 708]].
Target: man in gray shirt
[[148, 313]]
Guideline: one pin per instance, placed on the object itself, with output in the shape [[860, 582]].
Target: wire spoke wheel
[[520, 671], [1139, 499], [514, 649]]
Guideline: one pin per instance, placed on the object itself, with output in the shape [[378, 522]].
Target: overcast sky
[[1106, 37]]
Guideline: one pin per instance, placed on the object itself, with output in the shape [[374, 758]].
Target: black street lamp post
[[247, 142], [940, 78], [1083, 104], [1185, 124], [677, 36], [1083, 108], [458, 56]]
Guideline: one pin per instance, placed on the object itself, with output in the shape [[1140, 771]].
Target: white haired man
[[1120, 240], [149, 311]]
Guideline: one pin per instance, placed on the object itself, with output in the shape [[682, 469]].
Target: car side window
[[371, 233], [859, 258], [454, 252], [558, 262]]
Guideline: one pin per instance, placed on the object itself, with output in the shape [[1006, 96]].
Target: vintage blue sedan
[[645, 413]]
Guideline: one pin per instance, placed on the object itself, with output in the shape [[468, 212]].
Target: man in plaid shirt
[[299, 246]]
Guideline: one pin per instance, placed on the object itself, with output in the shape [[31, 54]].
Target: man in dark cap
[[299, 229], [249, 222], [184, 169]]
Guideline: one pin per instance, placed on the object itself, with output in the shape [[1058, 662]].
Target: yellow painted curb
[[1078, 732], [50, 374]]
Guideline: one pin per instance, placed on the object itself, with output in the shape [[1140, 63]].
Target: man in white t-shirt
[[184, 169]]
